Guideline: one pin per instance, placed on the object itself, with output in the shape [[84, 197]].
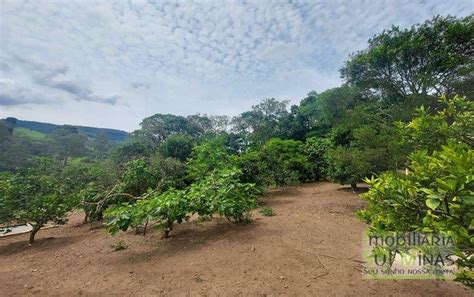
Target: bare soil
[[311, 247]]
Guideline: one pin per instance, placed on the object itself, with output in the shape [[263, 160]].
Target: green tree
[[101, 145], [157, 128], [32, 197], [177, 146], [262, 122], [425, 59], [66, 142], [437, 193], [277, 162], [208, 156]]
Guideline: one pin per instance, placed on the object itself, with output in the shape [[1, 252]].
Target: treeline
[[386, 117], [20, 146]]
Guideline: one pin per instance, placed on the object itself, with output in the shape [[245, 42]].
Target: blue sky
[[112, 63]]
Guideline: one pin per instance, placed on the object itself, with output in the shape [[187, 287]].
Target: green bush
[[278, 162], [223, 193], [33, 197], [316, 149], [208, 156], [163, 209], [437, 196], [220, 192], [267, 211]]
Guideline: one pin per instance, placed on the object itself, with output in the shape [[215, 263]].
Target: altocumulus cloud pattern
[[111, 63]]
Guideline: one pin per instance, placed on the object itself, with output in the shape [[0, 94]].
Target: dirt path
[[310, 248]]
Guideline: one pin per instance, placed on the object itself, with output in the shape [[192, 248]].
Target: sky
[[113, 63]]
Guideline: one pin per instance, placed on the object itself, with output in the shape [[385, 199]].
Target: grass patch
[[27, 133], [119, 245], [267, 211]]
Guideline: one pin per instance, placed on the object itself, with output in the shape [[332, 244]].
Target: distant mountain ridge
[[48, 128]]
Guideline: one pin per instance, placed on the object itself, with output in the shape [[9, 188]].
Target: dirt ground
[[311, 247]]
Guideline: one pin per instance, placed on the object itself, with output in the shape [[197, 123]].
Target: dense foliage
[[437, 193]]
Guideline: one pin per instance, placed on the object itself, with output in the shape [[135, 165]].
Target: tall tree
[[426, 59], [157, 128]]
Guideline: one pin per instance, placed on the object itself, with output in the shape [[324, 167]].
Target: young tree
[[32, 197]]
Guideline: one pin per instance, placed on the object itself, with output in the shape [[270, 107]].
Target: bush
[[267, 211], [208, 156], [32, 197], [137, 178], [437, 196], [170, 173], [223, 193], [278, 162], [163, 209], [315, 149], [119, 245]]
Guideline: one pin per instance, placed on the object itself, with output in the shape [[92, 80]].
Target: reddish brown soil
[[311, 247]]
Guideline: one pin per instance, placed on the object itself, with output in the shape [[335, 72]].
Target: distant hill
[[48, 128]]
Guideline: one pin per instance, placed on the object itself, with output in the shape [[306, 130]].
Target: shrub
[[315, 149], [32, 197], [267, 211], [437, 196], [208, 156], [137, 178], [163, 209], [223, 193], [119, 245], [277, 162]]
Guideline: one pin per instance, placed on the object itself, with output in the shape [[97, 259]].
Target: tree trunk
[[353, 187], [169, 227], [33, 232], [144, 228]]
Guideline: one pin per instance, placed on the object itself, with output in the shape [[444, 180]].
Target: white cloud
[[123, 60]]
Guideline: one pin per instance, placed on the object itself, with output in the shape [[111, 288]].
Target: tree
[[32, 197], [101, 145], [430, 129], [328, 109], [278, 162], [170, 173], [208, 156], [437, 195], [372, 148], [437, 192], [157, 128], [67, 142], [137, 178], [219, 192], [425, 59], [262, 122], [222, 192], [177, 146]]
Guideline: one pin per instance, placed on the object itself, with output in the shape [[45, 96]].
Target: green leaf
[[432, 203]]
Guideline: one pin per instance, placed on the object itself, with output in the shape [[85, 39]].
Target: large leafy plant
[[32, 197], [437, 192]]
